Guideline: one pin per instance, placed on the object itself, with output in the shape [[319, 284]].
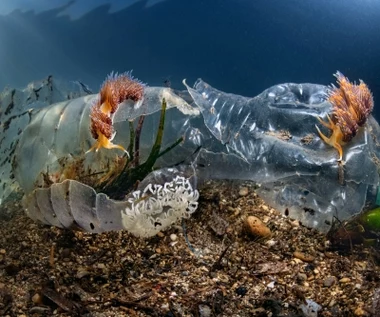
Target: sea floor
[[219, 271]]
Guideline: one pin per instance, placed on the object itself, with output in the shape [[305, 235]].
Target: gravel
[[209, 266]]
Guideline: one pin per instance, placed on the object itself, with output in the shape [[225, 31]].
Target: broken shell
[[255, 227]]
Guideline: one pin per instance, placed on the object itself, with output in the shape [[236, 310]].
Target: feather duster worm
[[352, 104], [115, 90]]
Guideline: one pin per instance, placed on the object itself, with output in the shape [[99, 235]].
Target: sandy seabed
[[219, 271]]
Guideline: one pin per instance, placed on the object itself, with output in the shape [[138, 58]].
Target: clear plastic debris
[[17, 107], [150, 208], [310, 308], [272, 139], [51, 163]]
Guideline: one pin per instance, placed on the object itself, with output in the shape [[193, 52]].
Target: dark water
[[240, 46]]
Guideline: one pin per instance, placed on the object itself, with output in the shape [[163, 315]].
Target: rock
[[303, 256], [66, 253], [101, 266], [359, 312], [266, 219], [37, 299], [243, 191], [205, 311], [329, 281], [301, 277], [255, 227], [241, 290], [271, 243], [345, 280]]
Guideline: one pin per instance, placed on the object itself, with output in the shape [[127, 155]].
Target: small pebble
[[241, 291], [37, 299], [301, 277], [66, 253], [173, 237], [266, 219], [255, 227], [205, 311], [271, 284], [295, 223], [101, 266], [271, 243], [231, 209], [332, 303], [345, 280], [329, 281], [243, 191], [359, 312], [303, 256]]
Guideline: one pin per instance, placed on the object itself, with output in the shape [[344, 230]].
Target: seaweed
[[128, 171]]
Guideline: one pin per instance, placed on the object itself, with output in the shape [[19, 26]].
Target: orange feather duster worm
[[115, 89], [352, 105]]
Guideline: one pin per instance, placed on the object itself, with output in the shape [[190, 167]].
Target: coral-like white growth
[[159, 206]]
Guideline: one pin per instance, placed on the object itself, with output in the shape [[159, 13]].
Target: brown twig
[[217, 265]]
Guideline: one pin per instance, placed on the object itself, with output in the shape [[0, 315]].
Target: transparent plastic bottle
[[272, 139]]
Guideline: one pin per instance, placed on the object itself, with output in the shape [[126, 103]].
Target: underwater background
[[239, 46], [278, 195]]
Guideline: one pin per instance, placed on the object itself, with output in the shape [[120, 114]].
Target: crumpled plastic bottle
[[272, 139], [44, 149]]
